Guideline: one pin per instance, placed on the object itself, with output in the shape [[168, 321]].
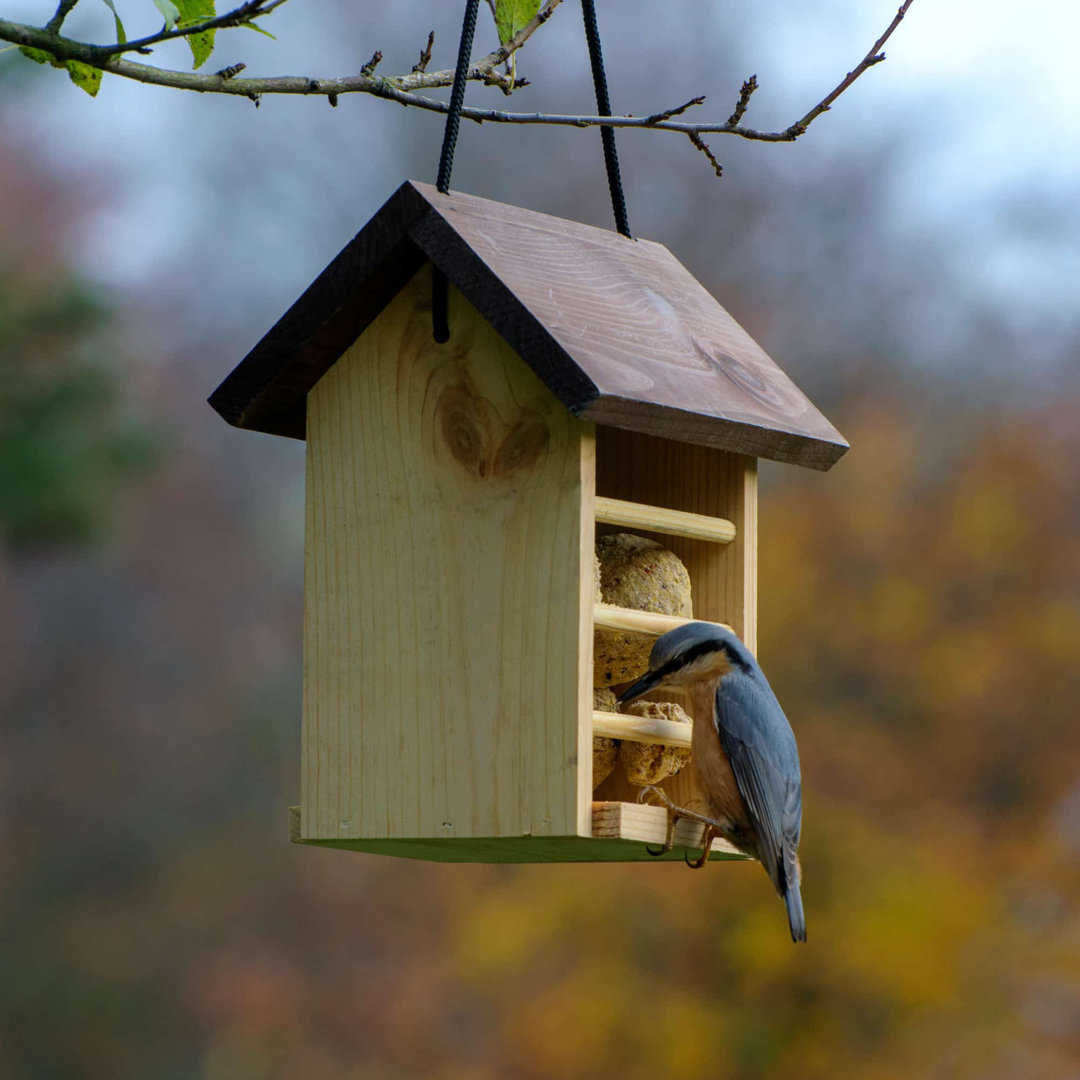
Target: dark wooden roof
[[618, 329]]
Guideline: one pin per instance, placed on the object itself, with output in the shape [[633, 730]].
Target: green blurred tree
[[67, 449]]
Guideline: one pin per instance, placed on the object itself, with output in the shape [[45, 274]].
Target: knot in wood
[[742, 375], [482, 442]]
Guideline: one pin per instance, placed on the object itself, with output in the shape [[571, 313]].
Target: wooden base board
[[622, 832]]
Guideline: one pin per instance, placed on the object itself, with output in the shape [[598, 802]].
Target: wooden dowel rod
[[609, 617], [643, 729], [658, 519]]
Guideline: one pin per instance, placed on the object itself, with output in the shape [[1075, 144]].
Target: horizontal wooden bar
[[659, 519], [649, 824], [610, 617], [643, 729]]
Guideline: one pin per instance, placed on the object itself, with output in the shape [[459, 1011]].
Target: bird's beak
[[647, 682]]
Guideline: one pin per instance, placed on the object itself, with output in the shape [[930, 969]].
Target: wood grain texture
[[624, 832], [665, 357], [659, 519], [618, 329], [447, 617], [723, 577]]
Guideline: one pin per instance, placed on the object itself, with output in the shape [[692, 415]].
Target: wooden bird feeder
[[454, 493]]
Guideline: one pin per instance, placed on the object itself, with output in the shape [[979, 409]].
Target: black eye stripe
[[697, 652], [685, 659], [668, 669]]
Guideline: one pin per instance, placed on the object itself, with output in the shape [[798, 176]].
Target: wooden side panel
[[449, 516], [700, 480]]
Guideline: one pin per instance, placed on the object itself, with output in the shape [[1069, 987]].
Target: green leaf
[[39, 56], [121, 37], [512, 15], [258, 29], [197, 11], [84, 76], [170, 11]]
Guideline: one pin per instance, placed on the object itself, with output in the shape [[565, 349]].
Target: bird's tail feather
[[796, 918]]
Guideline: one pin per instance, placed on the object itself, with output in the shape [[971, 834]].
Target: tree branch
[[98, 56], [402, 88], [245, 13], [748, 87], [425, 55], [703, 146], [63, 9], [874, 56], [667, 114]]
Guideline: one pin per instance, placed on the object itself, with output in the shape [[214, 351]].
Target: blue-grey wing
[[760, 744]]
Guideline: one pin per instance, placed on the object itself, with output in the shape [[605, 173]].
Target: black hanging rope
[[457, 96], [440, 323], [440, 288], [603, 108]]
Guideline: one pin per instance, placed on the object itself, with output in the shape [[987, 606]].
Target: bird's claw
[[669, 840], [674, 814], [706, 850], [664, 800], [713, 828]]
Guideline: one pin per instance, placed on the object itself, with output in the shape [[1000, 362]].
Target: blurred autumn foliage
[[920, 621], [66, 449], [63, 452]]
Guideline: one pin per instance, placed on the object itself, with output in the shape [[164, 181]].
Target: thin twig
[[367, 70], [667, 114], [703, 146], [874, 56], [245, 13], [425, 56], [745, 92], [63, 9], [504, 52], [388, 89]]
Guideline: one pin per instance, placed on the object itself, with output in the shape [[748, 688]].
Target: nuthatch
[[746, 760]]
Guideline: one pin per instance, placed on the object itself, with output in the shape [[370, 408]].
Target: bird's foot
[[673, 818], [712, 826], [662, 796], [669, 840], [706, 848]]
